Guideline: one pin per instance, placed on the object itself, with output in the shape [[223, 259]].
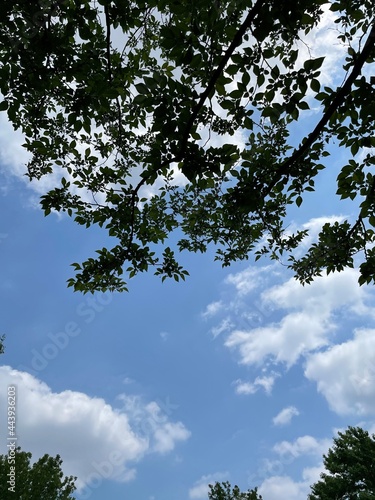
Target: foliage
[[134, 109], [351, 468], [42, 480], [224, 491]]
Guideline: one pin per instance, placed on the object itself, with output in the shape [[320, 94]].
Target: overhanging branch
[[334, 105], [237, 40]]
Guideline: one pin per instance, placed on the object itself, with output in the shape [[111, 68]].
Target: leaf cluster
[[43, 479]]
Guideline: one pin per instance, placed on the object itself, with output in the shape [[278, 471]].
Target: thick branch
[[335, 104], [108, 41], [237, 40]]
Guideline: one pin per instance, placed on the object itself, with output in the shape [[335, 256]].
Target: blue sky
[[238, 374]]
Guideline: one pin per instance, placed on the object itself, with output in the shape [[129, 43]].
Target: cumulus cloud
[[284, 342], [323, 295], [276, 487], [95, 440], [309, 321], [285, 416], [271, 322], [304, 445], [200, 488], [345, 374]]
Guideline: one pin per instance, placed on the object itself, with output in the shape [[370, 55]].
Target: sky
[[237, 374]]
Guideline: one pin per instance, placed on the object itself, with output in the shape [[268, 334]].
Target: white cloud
[[317, 42], [212, 309], [277, 487], [312, 314], [315, 224], [312, 474], [200, 488], [249, 279], [150, 420], [345, 374], [224, 326], [12, 155], [286, 323], [245, 387], [266, 382], [304, 445], [95, 440], [280, 485], [284, 342], [277, 484], [285, 416], [322, 296]]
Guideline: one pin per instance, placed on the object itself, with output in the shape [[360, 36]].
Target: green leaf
[[313, 64], [315, 85], [141, 88]]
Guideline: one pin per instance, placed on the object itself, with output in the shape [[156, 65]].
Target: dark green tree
[[44, 480], [350, 466], [224, 491], [117, 97]]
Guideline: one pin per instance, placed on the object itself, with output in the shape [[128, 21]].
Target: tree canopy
[[136, 111], [42, 480], [224, 491], [350, 466]]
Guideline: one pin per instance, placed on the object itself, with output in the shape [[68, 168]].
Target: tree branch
[[336, 102], [237, 40]]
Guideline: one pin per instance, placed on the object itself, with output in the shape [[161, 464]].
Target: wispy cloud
[[265, 382], [285, 416], [213, 309]]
